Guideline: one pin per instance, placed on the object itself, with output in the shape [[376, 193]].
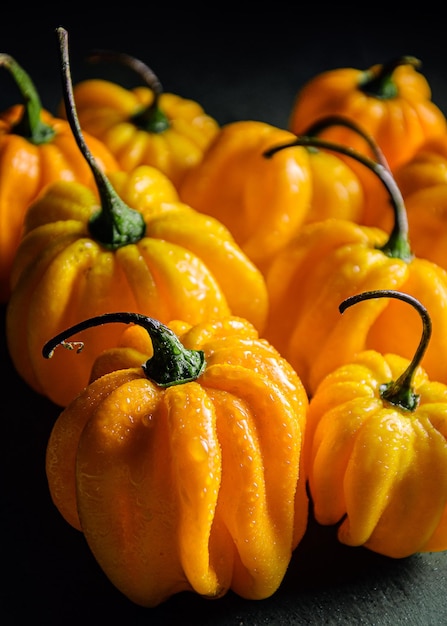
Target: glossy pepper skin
[[131, 246], [376, 469], [390, 101], [329, 261], [185, 265], [144, 125], [262, 202], [36, 149], [376, 455], [196, 486]]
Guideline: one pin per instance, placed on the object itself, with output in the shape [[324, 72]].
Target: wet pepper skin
[[378, 470], [329, 261], [196, 487], [187, 266]]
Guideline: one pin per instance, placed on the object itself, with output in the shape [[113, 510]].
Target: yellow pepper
[[80, 257], [36, 149], [183, 467], [333, 259], [264, 203], [144, 125], [391, 101], [376, 448]]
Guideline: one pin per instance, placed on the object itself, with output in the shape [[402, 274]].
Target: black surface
[[239, 65]]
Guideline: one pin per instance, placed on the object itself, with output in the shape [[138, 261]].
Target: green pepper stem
[[400, 392], [378, 81], [115, 224], [397, 245], [338, 120], [150, 119], [30, 125], [171, 363]]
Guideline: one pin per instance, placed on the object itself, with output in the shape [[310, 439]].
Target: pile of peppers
[[246, 392]]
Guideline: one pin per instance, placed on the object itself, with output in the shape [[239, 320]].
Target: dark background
[[238, 64]]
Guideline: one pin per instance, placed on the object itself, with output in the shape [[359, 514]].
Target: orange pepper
[[264, 203], [36, 149], [426, 169], [391, 102], [183, 467], [427, 222], [423, 184]]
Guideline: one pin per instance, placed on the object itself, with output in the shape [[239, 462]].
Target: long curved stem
[[400, 392], [115, 224], [338, 120], [398, 245], [30, 125]]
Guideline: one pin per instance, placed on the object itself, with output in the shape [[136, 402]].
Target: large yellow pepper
[[144, 125], [376, 449], [333, 259], [183, 467], [391, 101], [138, 249], [36, 149], [264, 203], [181, 264]]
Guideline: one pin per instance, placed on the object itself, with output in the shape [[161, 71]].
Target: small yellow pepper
[[183, 467], [144, 125], [376, 449]]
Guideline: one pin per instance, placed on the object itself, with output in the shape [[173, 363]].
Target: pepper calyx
[[171, 363], [151, 119], [115, 224], [30, 126], [378, 82]]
